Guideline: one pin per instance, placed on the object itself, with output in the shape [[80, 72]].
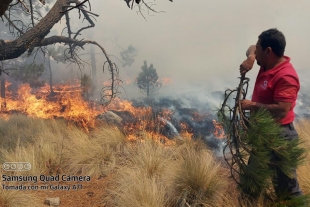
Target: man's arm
[[285, 94], [278, 110], [249, 62]]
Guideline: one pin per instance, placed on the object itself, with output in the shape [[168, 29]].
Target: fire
[[198, 117], [185, 131], [166, 114], [218, 130], [166, 81], [155, 136], [106, 83], [68, 102], [128, 81]]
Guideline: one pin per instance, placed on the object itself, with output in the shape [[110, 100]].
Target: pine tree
[[147, 80]]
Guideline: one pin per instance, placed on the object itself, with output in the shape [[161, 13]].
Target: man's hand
[[247, 65], [249, 62], [278, 110], [247, 104]]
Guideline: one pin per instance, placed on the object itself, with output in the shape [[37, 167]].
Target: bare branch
[[12, 24], [77, 6], [33, 36], [31, 12], [25, 6], [89, 12], [87, 17], [112, 68]]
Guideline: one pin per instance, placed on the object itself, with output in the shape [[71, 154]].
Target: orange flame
[[185, 131], [68, 102], [218, 130], [166, 81]]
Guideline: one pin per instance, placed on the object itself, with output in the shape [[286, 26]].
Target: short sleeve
[[286, 89]]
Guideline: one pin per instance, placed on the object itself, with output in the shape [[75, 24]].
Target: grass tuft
[[303, 128], [197, 181], [96, 155], [9, 198]]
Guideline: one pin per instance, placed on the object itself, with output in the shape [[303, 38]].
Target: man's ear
[[269, 50]]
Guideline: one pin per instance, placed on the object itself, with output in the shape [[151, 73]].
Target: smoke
[[200, 51]]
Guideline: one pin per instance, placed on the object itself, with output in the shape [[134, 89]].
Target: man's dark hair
[[275, 39]]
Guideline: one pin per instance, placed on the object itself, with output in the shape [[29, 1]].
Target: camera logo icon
[[16, 166]]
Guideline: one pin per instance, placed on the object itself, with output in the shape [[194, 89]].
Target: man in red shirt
[[276, 89]]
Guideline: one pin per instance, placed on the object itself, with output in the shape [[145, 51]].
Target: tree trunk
[[3, 101], [50, 70], [15, 48], [148, 89], [93, 66], [4, 5]]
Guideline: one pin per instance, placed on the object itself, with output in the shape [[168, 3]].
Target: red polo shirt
[[280, 84]]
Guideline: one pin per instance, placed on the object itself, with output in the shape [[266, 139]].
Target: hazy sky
[[199, 44], [202, 40]]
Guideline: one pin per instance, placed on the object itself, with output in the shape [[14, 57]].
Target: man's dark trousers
[[283, 184]]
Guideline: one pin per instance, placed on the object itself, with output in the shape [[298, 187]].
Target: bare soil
[[89, 194]]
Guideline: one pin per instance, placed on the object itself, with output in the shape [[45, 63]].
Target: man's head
[[270, 46]]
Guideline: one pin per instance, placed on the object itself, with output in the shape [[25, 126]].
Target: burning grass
[[66, 102], [165, 117]]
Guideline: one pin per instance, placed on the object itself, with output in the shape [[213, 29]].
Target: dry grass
[[19, 127], [303, 128], [185, 174], [197, 180], [37, 154], [52, 147], [90, 156], [96, 155], [33, 140], [11, 198], [149, 157], [135, 188], [138, 181], [110, 135], [145, 172]]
